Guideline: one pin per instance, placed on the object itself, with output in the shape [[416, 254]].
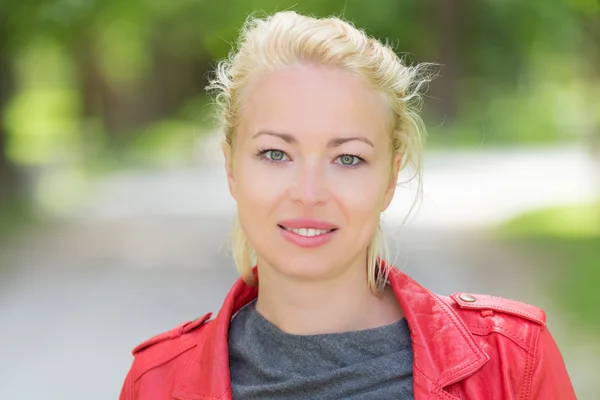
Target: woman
[[319, 120]]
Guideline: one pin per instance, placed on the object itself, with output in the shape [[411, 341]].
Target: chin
[[304, 267]]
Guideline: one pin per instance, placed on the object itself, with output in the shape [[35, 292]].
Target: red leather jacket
[[464, 347]]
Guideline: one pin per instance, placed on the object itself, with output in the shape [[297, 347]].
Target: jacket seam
[[506, 309], [181, 387], [470, 340], [514, 301], [486, 330], [156, 364], [531, 361], [437, 389], [183, 381], [442, 393]]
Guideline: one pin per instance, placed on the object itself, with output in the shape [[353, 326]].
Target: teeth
[[308, 232]]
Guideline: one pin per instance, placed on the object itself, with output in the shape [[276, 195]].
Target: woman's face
[[311, 170]]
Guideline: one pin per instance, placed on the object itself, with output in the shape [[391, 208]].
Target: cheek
[[360, 192], [257, 189], [360, 199]]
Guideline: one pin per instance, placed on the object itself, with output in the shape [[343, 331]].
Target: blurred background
[[114, 210]]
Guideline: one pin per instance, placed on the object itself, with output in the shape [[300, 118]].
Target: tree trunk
[[447, 19], [124, 109]]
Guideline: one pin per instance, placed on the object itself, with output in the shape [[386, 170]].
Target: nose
[[309, 186]]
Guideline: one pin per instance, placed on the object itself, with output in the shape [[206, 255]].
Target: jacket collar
[[444, 350]]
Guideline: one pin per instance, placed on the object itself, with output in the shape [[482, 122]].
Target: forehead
[[312, 100]]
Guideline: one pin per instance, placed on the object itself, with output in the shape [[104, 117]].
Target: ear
[[391, 187], [227, 153]]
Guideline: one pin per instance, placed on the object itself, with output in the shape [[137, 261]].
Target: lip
[[305, 241], [309, 223]]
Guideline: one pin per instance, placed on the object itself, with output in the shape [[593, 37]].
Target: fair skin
[[292, 160]]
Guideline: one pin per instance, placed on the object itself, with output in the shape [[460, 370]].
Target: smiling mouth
[[308, 232]]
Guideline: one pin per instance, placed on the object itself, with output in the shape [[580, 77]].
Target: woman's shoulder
[[485, 314], [156, 360], [168, 345], [172, 334], [516, 339], [469, 305]]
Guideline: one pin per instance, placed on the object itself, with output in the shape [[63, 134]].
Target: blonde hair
[[286, 39]]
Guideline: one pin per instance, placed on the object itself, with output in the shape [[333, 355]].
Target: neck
[[340, 303]]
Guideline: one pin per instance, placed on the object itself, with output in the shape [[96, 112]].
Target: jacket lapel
[[207, 375], [444, 350]]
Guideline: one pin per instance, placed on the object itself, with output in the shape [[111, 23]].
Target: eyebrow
[[335, 142]]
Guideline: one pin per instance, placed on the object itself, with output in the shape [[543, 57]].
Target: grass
[[569, 236]]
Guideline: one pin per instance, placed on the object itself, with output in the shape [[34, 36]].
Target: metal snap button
[[469, 298]]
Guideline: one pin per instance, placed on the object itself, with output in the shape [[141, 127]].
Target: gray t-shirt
[[267, 363]]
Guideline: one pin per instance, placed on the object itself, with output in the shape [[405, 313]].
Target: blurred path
[[462, 188], [147, 250]]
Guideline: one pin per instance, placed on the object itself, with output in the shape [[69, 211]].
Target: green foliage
[[526, 72], [576, 221], [570, 237], [42, 116]]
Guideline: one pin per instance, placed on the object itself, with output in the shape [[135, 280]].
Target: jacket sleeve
[[550, 380], [127, 389]]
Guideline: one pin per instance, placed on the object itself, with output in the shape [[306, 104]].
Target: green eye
[[276, 155], [347, 159]]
